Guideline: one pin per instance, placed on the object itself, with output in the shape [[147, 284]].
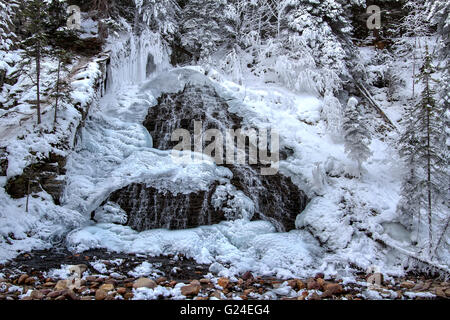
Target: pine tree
[[34, 45], [414, 25], [333, 114], [204, 27], [160, 15], [425, 151], [356, 136], [61, 90], [439, 14], [309, 44], [409, 204]]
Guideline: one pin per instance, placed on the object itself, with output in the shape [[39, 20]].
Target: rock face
[[42, 175], [3, 161], [149, 208], [275, 197]]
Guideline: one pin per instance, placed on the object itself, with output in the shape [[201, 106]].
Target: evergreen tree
[[61, 90], [333, 114], [160, 15], [204, 27], [439, 14], [308, 49], [356, 136], [34, 45], [425, 151], [409, 204], [414, 25]]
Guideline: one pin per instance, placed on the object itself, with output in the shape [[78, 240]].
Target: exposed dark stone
[[2, 77], [149, 208], [3, 161], [180, 110], [179, 56], [276, 198], [44, 175]]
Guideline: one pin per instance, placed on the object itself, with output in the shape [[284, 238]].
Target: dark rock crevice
[[43, 175], [3, 162], [150, 208]]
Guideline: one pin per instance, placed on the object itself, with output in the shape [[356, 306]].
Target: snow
[[425, 295], [159, 291], [99, 266], [145, 269], [45, 222], [60, 273]]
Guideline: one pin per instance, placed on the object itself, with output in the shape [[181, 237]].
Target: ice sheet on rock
[[116, 150]]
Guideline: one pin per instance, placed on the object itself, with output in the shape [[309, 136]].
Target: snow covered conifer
[[409, 204], [34, 44], [425, 149], [204, 27], [332, 112], [356, 136], [61, 90]]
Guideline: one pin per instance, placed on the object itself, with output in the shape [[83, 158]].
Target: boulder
[[277, 199], [144, 283], [22, 279], [223, 282], [407, 284], [121, 290], [62, 285], [100, 294], [333, 288], [312, 285], [107, 287], [190, 290], [247, 276], [37, 295]]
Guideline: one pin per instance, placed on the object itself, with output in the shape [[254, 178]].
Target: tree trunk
[[28, 196], [57, 93], [38, 78], [414, 68], [430, 236], [440, 238]]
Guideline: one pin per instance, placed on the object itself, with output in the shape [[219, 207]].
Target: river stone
[[190, 290], [100, 294], [144, 283], [37, 295], [61, 285], [107, 287]]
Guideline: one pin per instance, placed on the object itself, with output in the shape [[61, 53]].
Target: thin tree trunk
[[28, 196], [414, 68], [57, 93], [38, 78], [430, 236]]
